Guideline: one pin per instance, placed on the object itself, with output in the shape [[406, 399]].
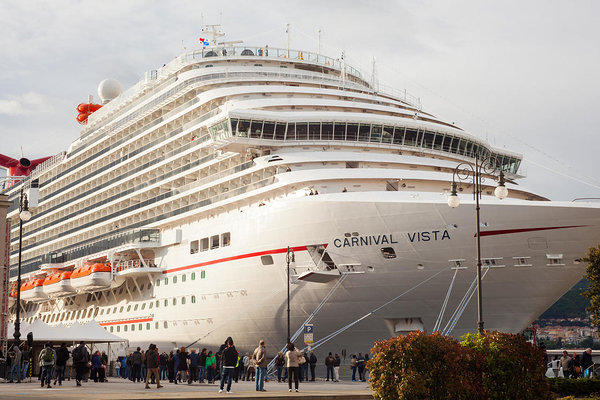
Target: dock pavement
[[121, 389]]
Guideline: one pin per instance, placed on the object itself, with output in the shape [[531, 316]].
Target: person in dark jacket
[[97, 368], [329, 365], [586, 361], [152, 363], [171, 366], [312, 360], [202, 366], [194, 358], [136, 361], [81, 358], [182, 365], [229, 359], [163, 361]]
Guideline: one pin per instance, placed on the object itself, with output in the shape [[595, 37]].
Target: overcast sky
[[522, 74]]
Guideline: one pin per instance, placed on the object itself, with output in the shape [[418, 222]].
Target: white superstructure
[[190, 186]]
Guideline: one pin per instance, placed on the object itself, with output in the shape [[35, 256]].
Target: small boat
[[12, 294], [33, 290], [58, 284], [91, 277]]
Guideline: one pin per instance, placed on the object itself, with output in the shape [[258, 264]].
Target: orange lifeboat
[[13, 290], [58, 284], [33, 290], [91, 276], [88, 107]]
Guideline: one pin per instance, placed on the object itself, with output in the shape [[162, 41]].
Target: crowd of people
[[576, 366], [225, 366]]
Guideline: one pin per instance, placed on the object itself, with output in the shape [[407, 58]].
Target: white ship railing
[[131, 264]]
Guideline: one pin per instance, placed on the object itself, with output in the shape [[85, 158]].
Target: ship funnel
[[24, 162]]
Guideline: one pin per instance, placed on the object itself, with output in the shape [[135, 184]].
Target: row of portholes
[[94, 312], [140, 327], [165, 281]]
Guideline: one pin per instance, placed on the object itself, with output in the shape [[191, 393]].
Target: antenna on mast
[[287, 39], [318, 42], [374, 81], [213, 33]]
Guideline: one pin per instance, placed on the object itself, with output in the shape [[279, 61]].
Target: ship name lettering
[[364, 241], [427, 236]]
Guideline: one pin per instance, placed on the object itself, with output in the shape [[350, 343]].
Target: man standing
[[229, 359], [336, 367], [260, 359], [193, 357], [586, 362], [136, 359], [81, 358], [312, 359], [329, 366], [15, 354], [566, 363], [152, 364], [62, 355], [360, 361], [47, 359]]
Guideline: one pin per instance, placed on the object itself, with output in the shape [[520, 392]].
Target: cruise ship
[[190, 201]]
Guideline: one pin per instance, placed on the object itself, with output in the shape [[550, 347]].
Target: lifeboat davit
[[91, 277], [33, 290], [58, 284]]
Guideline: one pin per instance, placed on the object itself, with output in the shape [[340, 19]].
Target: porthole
[[166, 281], [118, 328], [183, 278], [174, 301], [203, 274], [193, 299], [193, 276], [132, 327], [157, 303], [135, 308], [157, 282], [165, 324], [166, 302], [150, 305], [156, 325], [129, 308], [121, 309], [183, 300], [125, 328], [114, 310], [144, 306], [148, 326], [111, 329], [139, 327], [388, 252], [174, 279]]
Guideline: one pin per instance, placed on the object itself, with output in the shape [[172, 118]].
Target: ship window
[[166, 302], [375, 133], [339, 131], [280, 131], [193, 299], [226, 239], [166, 281], [114, 310], [174, 279], [118, 328], [267, 260], [101, 312], [143, 306], [387, 134], [96, 312], [204, 244], [314, 131], [193, 276], [125, 328], [301, 130], [410, 137], [398, 135], [243, 127], [363, 132], [139, 327], [428, 140], [128, 308], [156, 325], [203, 274], [291, 131], [166, 325], [234, 122], [256, 129], [158, 282], [351, 132], [121, 309], [182, 300], [388, 252], [157, 303], [135, 307], [194, 247], [147, 326], [150, 305], [183, 277], [268, 130], [174, 301], [111, 329], [247, 52], [327, 131], [214, 242], [132, 327]]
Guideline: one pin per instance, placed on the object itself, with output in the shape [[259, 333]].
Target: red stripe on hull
[[508, 231], [130, 321]]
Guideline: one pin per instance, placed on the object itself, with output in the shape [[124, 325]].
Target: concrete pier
[[125, 390]]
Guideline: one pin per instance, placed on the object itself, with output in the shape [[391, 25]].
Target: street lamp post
[[24, 216], [290, 258], [473, 173]]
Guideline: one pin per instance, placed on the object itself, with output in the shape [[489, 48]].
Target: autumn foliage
[[421, 366]]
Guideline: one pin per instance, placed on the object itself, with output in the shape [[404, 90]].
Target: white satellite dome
[[109, 89]]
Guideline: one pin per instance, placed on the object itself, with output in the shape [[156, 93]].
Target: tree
[[593, 276]]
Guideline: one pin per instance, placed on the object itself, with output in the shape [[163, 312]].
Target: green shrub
[[574, 387], [514, 368], [420, 366]]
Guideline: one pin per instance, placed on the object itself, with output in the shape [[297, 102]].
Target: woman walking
[[292, 359]]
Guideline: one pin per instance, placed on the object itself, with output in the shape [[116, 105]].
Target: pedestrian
[[353, 366], [136, 361], [245, 361], [182, 366], [25, 356], [279, 363], [336, 367], [81, 357], [152, 363], [292, 360], [312, 360], [329, 366], [360, 361], [566, 364], [47, 359], [96, 367], [162, 368], [576, 366], [229, 357], [143, 367], [171, 367], [194, 358], [260, 359], [586, 362], [15, 365], [211, 367], [202, 366]]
